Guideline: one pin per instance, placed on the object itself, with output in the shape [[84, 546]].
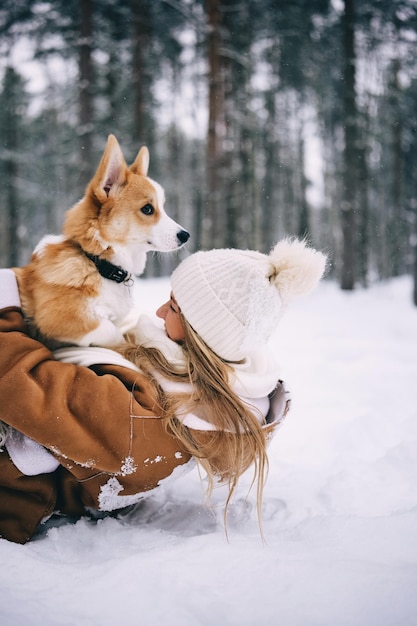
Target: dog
[[77, 287]]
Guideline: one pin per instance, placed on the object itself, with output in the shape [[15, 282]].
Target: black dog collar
[[108, 270]]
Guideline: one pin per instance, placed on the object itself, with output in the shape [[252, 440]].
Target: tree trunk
[[350, 177], [214, 222], [271, 177], [10, 171], [9, 167], [397, 198], [142, 94], [303, 229], [415, 261], [363, 241], [86, 125]]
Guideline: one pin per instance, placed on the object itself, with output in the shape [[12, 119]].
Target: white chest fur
[[114, 302], [110, 309]]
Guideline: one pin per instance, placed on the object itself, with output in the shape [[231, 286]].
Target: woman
[[99, 429]]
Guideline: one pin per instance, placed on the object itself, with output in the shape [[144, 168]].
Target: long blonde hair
[[238, 440]]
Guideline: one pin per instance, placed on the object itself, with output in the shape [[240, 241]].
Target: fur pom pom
[[297, 269]]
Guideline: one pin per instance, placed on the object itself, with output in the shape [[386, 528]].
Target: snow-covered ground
[[340, 506]]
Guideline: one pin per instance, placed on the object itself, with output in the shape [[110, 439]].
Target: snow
[[340, 506]]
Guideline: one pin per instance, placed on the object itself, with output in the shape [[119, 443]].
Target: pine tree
[[12, 99]]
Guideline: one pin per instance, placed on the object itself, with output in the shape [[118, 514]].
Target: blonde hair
[[238, 440]]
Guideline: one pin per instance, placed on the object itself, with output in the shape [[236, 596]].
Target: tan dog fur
[[120, 218]]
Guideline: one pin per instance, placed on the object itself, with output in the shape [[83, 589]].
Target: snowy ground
[[340, 510]]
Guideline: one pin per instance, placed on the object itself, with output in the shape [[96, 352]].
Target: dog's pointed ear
[[112, 170], [140, 165]]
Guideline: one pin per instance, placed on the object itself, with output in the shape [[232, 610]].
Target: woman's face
[[170, 313]]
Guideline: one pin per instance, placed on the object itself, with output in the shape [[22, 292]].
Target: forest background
[[264, 118]]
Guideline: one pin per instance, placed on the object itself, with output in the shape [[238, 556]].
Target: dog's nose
[[183, 236]]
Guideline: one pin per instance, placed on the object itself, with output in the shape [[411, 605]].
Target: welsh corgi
[[77, 287]]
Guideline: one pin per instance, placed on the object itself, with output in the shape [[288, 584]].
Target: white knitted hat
[[234, 298]]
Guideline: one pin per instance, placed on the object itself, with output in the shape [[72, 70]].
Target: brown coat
[[100, 423]]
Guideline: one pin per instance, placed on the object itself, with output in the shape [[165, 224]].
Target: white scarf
[[252, 380], [256, 377]]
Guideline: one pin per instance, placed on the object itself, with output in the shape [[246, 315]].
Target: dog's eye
[[147, 209]]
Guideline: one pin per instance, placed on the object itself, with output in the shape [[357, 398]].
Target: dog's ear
[[140, 165], [112, 170]]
